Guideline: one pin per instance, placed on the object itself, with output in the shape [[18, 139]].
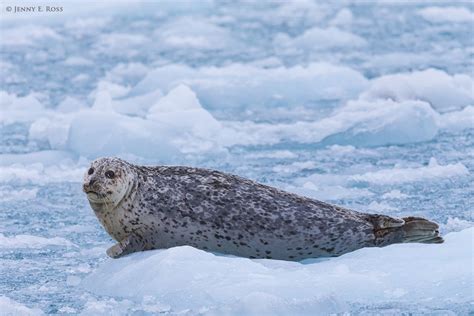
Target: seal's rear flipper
[[389, 230], [417, 229]]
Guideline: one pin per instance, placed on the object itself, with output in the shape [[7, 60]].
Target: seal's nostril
[[91, 182]]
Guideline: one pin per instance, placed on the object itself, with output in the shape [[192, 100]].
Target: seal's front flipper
[[130, 244]]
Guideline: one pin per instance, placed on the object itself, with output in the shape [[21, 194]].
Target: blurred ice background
[[365, 104]]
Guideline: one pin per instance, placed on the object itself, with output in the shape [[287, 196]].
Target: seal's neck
[[130, 194]]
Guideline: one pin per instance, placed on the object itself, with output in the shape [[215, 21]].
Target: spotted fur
[[165, 206]]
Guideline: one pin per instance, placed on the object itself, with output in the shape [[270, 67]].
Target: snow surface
[[190, 279], [365, 105]]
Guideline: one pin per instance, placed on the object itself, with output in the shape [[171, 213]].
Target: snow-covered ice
[[365, 105], [190, 279]]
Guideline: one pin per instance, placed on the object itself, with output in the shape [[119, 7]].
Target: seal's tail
[[389, 230], [417, 229]]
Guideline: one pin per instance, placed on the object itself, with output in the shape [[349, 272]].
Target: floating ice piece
[[381, 122], [343, 17], [316, 39], [456, 224], [293, 13], [447, 14], [138, 105], [19, 109], [328, 192], [37, 173], [360, 123], [394, 194], [77, 61], [106, 133], [53, 129], [190, 279], [380, 207], [457, 120], [28, 35], [70, 104], [275, 154], [9, 307], [443, 91], [127, 73], [8, 194], [180, 109], [194, 33], [295, 167], [244, 85], [45, 158], [28, 241], [402, 175], [121, 44]]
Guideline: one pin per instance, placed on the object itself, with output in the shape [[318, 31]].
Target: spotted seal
[[146, 208]]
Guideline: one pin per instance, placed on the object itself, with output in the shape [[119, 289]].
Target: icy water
[[366, 105]]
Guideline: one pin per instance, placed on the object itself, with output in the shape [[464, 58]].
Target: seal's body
[[160, 207]]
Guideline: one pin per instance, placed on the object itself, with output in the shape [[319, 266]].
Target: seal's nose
[[91, 182]]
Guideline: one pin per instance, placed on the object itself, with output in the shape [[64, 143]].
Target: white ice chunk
[[32, 171], [45, 157], [121, 44], [316, 39], [19, 109], [77, 61], [432, 171], [53, 129], [238, 85], [106, 133], [28, 35], [70, 104], [359, 123], [457, 120], [447, 14], [380, 207], [9, 307], [123, 73], [8, 194], [443, 91], [137, 105], [325, 192], [28, 241], [294, 167], [343, 18], [191, 279], [394, 194], [194, 33], [180, 109]]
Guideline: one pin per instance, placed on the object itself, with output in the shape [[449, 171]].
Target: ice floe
[[447, 14], [443, 91], [29, 241], [188, 279], [318, 39], [9, 307], [192, 33], [243, 85], [396, 175]]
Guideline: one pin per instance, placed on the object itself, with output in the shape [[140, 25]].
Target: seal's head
[[108, 181]]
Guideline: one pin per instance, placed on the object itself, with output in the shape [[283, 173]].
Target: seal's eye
[[91, 171], [110, 174]]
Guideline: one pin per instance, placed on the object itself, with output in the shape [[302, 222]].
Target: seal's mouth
[[94, 196]]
